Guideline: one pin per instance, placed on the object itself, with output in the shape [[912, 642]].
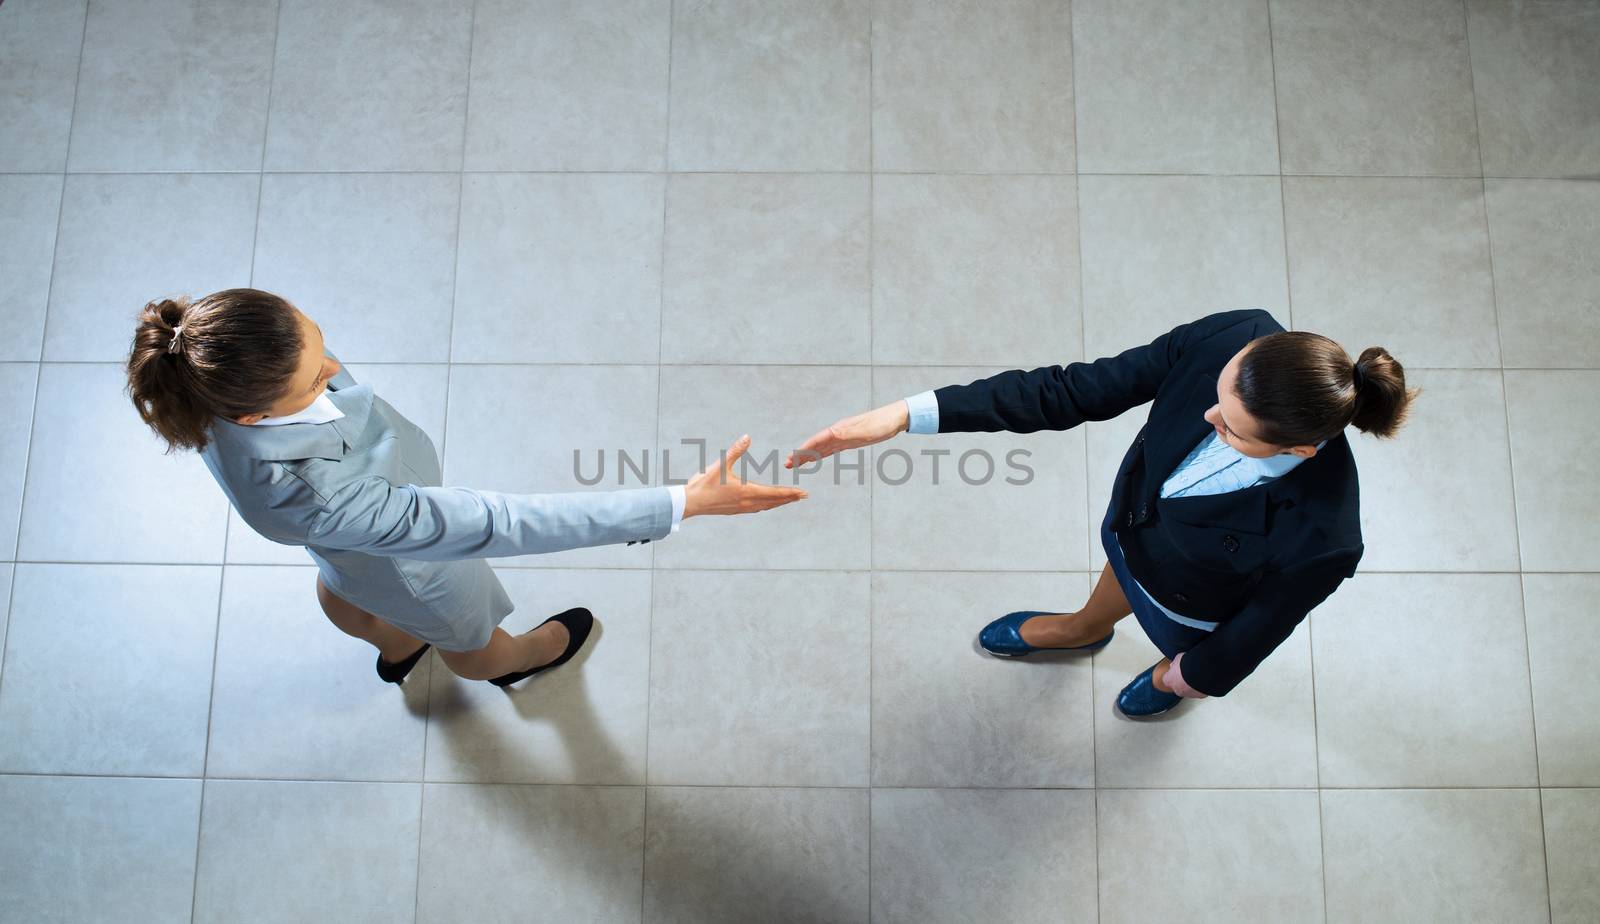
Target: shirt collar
[[317, 441], [1275, 466], [321, 410]]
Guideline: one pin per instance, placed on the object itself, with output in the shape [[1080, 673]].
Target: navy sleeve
[[1061, 397]]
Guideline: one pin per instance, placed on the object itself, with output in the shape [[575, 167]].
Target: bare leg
[[393, 644], [1106, 605], [509, 654]]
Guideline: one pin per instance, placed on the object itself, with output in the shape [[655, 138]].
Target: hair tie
[[1356, 377], [174, 344]]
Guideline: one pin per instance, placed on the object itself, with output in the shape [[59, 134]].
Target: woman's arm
[[1062, 397], [441, 524], [1282, 601], [1047, 398]]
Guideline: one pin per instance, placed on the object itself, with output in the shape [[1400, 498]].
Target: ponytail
[[229, 354]]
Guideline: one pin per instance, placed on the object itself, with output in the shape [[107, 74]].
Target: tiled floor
[[537, 226]]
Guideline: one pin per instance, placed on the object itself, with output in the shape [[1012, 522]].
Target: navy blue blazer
[[1255, 560]]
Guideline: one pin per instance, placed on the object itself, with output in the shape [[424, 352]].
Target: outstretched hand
[[874, 426], [717, 490]]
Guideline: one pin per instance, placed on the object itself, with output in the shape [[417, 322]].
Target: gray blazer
[[363, 495]]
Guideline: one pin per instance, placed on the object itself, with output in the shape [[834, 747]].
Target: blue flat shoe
[[1003, 637], [1140, 699]]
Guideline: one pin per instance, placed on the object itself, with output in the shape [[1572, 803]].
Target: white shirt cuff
[[924, 413], [680, 496]]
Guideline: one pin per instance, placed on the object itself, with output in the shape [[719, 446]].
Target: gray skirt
[[453, 605]]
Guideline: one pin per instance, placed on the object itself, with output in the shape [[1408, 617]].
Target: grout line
[[661, 336], [227, 522], [856, 570], [786, 786], [1511, 467], [872, 400], [1576, 178], [699, 365], [1091, 534], [831, 365], [44, 332], [444, 435], [1288, 295]]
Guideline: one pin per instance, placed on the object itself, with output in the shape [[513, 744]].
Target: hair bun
[[170, 311]]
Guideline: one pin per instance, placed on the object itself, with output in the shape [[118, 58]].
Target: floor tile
[[780, 407], [568, 85], [1534, 71], [972, 87], [787, 703], [767, 269], [1571, 816], [5, 609], [1374, 88], [1174, 89], [1159, 251], [584, 723], [29, 209], [1544, 235], [369, 85], [17, 383], [961, 855], [770, 85], [1160, 856], [497, 854], [291, 852], [1563, 632], [97, 849], [1387, 647], [370, 257], [39, 47], [416, 390], [735, 855], [1399, 263], [1263, 734], [296, 698], [1554, 434], [88, 446], [126, 240], [499, 442], [68, 708], [1433, 855], [174, 85], [946, 713], [937, 504], [945, 247], [559, 269], [1413, 520]]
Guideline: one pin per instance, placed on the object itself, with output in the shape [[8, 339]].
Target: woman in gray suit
[[308, 457]]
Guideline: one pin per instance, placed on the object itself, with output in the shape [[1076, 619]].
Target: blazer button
[[1230, 543], [1130, 518], [1144, 511], [1180, 598]]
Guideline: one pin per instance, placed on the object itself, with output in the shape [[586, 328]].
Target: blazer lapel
[[291, 442]]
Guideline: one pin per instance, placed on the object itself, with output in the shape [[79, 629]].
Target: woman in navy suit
[[1235, 511]]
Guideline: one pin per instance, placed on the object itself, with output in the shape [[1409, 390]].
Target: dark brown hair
[[235, 355], [1303, 388]]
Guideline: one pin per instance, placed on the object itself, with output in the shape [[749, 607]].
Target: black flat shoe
[[394, 673], [578, 622]]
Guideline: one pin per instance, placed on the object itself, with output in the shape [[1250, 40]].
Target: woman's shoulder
[[1328, 493]]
